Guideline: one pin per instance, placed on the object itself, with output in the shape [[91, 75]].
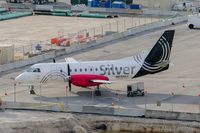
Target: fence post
[[94, 32], [124, 24], [109, 26], [31, 48], [132, 21], [23, 52], [102, 30], [117, 27], [139, 21]]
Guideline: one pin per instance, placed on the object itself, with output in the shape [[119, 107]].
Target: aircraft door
[[56, 73]]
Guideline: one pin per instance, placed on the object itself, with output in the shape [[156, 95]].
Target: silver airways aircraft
[[94, 73]]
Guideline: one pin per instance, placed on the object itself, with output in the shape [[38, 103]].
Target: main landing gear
[[97, 91]]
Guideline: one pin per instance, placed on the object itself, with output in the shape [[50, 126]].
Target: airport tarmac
[[185, 70]]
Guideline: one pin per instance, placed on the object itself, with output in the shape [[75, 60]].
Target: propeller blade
[[54, 61], [69, 77], [70, 87], [68, 69]]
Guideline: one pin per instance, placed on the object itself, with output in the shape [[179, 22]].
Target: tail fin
[[158, 58]]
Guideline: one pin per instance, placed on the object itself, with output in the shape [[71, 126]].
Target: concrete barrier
[[61, 107], [172, 115], [129, 111], [73, 48], [98, 110]]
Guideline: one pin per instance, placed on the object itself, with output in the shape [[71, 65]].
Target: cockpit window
[[33, 70], [36, 70]]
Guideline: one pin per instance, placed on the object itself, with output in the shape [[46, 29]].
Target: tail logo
[[165, 57]]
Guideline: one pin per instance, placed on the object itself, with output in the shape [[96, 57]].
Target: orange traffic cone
[[5, 93], [112, 103], [183, 85]]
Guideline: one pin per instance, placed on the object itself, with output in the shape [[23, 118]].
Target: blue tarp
[[118, 4]]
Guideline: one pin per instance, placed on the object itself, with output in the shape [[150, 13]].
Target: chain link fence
[[30, 48], [24, 49]]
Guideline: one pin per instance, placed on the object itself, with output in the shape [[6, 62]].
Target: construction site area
[[47, 35]]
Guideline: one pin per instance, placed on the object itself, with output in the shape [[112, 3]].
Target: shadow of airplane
[[121, 99]]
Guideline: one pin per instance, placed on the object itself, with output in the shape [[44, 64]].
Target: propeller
[[69, 77], [54, 61]]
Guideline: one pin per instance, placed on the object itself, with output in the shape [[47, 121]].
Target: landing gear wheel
[[97, 92], [191, 26], [32, 90]]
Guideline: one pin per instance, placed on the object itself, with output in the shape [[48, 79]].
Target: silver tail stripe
[[168, 46], [165, 48], [165, 56]]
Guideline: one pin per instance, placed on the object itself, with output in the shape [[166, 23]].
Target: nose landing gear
[[32, 90]]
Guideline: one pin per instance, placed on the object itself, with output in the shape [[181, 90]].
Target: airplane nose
[[18, 78]]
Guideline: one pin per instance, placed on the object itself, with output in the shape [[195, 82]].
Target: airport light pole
[[172, 102], [15, 92], [199, 103], [67, 94], [40, 94], [145, 101]]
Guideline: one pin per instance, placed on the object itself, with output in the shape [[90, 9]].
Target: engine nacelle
[[84, 80]]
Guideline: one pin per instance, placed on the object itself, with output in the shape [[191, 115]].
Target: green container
[[75, 2], [92, 15], [59, 11], [3, 10], [59, 14], [69, 13], [12, 15]]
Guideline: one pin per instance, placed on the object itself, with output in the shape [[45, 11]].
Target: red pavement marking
[[192, 107]]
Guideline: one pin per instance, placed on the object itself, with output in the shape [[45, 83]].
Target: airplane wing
[[71, 60], [101, 81]]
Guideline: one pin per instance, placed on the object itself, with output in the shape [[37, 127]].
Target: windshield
[[31, 69]]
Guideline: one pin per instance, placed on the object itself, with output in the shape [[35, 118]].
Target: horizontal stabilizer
[[101, 81]]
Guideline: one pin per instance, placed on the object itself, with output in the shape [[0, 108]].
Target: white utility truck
[[193, 21], [185, 6]]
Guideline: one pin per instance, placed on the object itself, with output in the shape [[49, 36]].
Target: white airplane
[[94, 73]]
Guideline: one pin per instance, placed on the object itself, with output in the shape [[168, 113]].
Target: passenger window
[[96, 69], [75, 70], [80, 70], [90, 69], [86, 69], [36, 70]]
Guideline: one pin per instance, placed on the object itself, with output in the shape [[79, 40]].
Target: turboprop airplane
[[95, 73]]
